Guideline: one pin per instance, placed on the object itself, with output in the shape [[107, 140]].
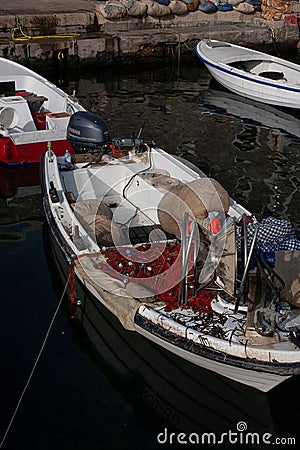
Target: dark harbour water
[[121, 392]]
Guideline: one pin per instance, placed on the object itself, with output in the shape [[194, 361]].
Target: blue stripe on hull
[[265, 83]]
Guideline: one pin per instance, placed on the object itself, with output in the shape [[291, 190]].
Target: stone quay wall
[[48, 36]]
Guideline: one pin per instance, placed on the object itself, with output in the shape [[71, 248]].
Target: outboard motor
[[87, 132]]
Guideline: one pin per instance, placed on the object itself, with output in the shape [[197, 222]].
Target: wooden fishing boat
[[33, 111], [252, 74], [165, 390], [166, 250]]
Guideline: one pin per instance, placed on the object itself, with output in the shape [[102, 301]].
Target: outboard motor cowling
[[87, 132]]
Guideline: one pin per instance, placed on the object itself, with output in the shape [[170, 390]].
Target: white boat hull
[[249, 83], [249, 112]]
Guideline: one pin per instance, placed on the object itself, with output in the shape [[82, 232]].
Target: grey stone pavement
[[16, 7]]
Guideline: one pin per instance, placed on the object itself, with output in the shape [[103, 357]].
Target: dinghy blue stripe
[[266, 83]]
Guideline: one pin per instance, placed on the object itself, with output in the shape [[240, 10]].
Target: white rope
[[184, 43], [34, 366]]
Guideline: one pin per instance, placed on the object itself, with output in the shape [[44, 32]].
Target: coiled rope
[[18, 35], [34, 365]]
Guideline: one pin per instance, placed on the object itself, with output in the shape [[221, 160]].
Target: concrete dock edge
[[78, 33]]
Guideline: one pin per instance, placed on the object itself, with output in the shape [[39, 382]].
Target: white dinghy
[[252, 74], [166, 250], [33, 111]]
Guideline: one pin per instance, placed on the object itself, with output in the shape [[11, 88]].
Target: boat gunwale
[[264, 56], [223, 345], [283, 369], [49, 215]]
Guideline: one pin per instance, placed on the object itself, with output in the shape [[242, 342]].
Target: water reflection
[[266, 144], [19, 181], [282, 122], [247, 139]]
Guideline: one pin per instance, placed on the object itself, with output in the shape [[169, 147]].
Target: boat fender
[[53, 193]]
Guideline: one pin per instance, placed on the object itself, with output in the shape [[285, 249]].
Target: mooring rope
[[274, 40], [192, 49], [22, 36], [34, 365]]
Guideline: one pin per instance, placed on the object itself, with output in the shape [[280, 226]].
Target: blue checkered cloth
[[273, 235]]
